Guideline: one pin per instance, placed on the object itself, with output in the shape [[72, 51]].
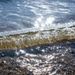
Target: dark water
[[20, 16], [48, 59]]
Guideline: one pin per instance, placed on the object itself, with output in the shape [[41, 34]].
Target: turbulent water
[[46, 59], [21, 16]]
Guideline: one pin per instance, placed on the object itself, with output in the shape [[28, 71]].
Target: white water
[[21, 16]]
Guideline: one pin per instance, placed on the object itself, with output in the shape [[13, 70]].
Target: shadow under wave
[[40, 49]]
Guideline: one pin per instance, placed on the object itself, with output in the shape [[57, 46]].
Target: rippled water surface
[[47, 59], [20, 16]]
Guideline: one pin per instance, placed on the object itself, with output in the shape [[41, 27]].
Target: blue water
[[21, 16], [31, 15]]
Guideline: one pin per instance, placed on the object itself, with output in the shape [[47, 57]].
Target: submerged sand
[[46, 59]]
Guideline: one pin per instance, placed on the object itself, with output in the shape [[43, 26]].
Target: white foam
[[42, 15]]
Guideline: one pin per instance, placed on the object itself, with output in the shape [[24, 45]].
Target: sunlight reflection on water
[[47, 59], [37, 15]]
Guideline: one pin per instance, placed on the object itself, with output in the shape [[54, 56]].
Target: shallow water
[[22, 16], [47, 59]]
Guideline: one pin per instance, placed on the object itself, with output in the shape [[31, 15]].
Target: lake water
[[47, 59], [21, 16]]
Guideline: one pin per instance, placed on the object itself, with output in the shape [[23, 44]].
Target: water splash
[[27, 16]]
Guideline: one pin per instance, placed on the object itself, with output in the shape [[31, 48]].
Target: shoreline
[[24, 40]]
